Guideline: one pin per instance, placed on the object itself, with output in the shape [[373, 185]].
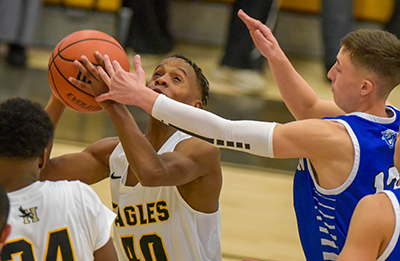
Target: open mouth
[[158, 90]]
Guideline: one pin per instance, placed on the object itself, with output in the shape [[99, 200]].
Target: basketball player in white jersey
[[5, 228], [346, 146], [49, 220], [165, 185]]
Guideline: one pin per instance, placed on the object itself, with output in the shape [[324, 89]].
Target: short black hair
[[25, 129], [4, 208], [201, 78]]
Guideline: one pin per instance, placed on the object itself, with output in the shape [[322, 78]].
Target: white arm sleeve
[[253, 137]]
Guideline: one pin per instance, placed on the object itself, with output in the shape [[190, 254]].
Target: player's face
[[346, 82], [176, 79]]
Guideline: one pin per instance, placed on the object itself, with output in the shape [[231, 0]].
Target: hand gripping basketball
[[61, 66]]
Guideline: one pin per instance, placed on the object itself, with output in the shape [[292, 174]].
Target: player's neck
[[378, 109], [158, 133], [17, 173]]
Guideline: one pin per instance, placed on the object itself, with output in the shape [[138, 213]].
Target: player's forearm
[[125, 126], [145, 99], [134, 94], [142, 158], [54, 109], [249, 136], [297, 94]]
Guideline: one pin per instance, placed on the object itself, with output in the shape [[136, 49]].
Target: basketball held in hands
[[61, 66]]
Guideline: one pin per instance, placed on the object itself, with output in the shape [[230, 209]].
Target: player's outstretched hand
[[262, 36], [123, 86]]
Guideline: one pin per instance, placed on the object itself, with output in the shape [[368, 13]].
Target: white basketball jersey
[[56, 221], [155, 223]]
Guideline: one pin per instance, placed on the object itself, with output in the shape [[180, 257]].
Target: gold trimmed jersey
[[56, 220], [155, 223]]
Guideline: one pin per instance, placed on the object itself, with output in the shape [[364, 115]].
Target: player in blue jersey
[[346, 145]]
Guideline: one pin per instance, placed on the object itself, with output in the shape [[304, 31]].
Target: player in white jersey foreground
[[165, 185], [5, 228], [344, 157], [49, 220]]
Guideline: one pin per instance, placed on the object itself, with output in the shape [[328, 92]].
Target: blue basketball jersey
[[392, 251], [323, 216]]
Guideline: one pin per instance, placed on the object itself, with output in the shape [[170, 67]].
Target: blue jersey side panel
[[306, 217]]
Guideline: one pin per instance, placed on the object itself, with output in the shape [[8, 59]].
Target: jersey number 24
[[58, 248]]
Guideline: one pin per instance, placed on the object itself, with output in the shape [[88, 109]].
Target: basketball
[[61, 66]]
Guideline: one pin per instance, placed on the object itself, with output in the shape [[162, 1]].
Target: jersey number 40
[[151, 246]]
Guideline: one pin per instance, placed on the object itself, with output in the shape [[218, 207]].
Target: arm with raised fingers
[[302, 101]]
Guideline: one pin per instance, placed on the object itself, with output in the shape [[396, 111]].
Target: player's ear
[[4, 234], [43, 159], [198, 104], [368, 87]]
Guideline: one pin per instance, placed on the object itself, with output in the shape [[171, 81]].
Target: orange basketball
[[61, 66]]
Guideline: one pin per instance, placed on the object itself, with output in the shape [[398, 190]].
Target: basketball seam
[[58, 55], [88, 39], [77, 88], [52, 63], [59, 51], [55, 87], [72, 105]]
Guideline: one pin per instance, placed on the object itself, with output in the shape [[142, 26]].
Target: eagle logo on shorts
[[389, 136]]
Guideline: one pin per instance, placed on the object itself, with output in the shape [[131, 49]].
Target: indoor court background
[[258, 219]]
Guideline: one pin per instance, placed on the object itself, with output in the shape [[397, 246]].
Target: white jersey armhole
[[354, 169], [395, 236]]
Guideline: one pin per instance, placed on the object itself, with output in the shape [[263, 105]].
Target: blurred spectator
[[242, 65], [148, 32], [338, 20], [17, 23], [393, 25]]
